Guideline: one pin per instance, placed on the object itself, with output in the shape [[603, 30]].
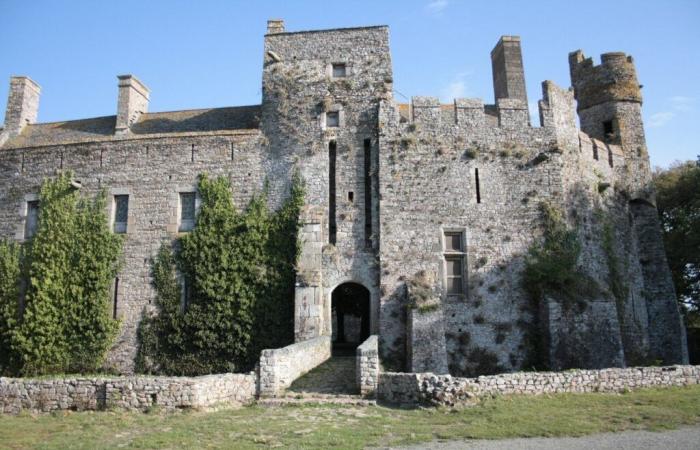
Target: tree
[[678, 202]]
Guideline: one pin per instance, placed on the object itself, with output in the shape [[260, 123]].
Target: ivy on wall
[[236, 270], [55, 293]]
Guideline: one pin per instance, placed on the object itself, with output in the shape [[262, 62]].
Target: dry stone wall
[[129, 393], [280, 367], [367, 366], [411, 389]]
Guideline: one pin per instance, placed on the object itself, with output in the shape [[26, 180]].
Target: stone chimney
[[22, 105], [508, 72], [275, 26], [133, 101]]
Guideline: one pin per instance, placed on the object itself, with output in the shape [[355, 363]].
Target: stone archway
[[350, 315]]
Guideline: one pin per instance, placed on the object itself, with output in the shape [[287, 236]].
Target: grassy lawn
[[356, 427]]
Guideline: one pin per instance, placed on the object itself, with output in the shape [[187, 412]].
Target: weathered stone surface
[[280, 367], [367, 366], [129, 393], [412, 389]]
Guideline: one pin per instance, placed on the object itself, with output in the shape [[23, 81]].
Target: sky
[[200, 54]]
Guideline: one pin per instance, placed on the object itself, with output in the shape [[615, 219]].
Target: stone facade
[[367, 366], [279, 368], [129, 393], [413, 389], [388, 185]]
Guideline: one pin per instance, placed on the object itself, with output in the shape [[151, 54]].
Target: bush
[[238, 269]]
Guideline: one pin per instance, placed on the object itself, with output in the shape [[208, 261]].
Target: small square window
[[32, 220], [121, 213], [187, 211], [453, 242], [339, 70], [333, 119]]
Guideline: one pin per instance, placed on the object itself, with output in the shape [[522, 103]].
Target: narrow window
[[351, 196], [453, 242], [121, 213], [368, 192], [116, 297], [478, 187], [192, 154], [187, 211], [610, 157], [32, 221], [332, 225], [184, 294], [339, 70], [333, 119], [595, 152], [608, 130]]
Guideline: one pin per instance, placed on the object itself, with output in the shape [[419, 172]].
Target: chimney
[[275, 26], [133, 101], [507, 67], [22, 105]]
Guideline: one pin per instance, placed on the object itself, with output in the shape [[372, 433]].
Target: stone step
[[348, 400]]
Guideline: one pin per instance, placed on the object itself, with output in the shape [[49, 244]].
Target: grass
[[357, 427]]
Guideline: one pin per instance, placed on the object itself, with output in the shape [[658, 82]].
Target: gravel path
[[683, 438]]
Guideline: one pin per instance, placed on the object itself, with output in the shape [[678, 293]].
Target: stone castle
[[418, 216]]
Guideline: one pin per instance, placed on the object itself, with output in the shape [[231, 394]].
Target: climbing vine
[[234, 293], [59, 321]]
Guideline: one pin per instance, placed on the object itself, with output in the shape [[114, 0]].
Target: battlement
[[615, 79]]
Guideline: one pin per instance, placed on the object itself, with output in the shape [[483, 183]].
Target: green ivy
[[9, 306], [64, 323], [239, 271]]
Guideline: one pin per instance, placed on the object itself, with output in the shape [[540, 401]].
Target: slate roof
[[170, 123]]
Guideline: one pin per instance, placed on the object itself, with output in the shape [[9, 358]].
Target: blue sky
[[209, 53]]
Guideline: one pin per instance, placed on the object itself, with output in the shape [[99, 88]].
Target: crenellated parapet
[[614, 80]]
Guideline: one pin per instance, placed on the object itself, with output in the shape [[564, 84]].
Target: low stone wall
[[367, 366], [410, 389], [280, 367], [131, 393]]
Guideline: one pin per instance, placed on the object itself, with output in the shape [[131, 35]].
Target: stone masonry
[[393, 190]]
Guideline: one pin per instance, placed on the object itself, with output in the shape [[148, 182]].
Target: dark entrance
[[350, 311]]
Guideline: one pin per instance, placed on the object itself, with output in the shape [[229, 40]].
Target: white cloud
[[682, 103], [456, 88], [660, 119], [437, 6]]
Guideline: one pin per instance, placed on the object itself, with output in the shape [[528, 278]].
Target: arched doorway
[[350, 316]]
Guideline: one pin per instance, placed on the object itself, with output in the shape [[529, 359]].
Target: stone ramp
[[333, 382], [335, 376]]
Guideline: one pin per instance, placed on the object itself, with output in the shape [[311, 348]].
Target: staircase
[[333, 382]]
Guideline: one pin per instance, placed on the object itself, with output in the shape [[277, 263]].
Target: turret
[[609, 99]]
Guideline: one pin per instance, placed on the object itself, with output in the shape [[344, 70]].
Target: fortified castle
[[418, 217]]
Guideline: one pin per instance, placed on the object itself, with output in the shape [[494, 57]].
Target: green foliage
[[9, 295], [64, 324], [678, 201], [551, 270], [239, 271]]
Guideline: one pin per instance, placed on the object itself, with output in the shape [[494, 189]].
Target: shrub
[[64, 324], [239, 271]]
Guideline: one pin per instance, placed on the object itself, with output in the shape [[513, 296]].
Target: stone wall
[[280, 367], [367, 365], [410, 389], [130, 393]]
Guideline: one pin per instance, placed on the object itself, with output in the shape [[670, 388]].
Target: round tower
[[609, 99]]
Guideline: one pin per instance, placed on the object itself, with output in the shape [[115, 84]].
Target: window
[[121, 213], [478, 185], [339, 70], [32, 220], [368, 192], [332, 224], [608, 130], [187, 211], [333, 119], [453, 242]]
